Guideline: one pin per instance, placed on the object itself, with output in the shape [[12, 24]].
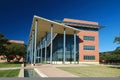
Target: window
[[89, 57], [89, 47], [91, 38], [3, 58]]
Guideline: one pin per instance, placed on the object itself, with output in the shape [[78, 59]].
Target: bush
[[110, 58]]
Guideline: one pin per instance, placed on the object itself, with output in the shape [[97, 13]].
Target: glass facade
[[58, 48], [91, 38], [89, 57], [88, 47]]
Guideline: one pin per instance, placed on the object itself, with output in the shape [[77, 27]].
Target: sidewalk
[[10, 68], [52, 71]]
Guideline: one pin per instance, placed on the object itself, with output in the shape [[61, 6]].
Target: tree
[[3, 43], [117, 39], [117, 50], [113, 56], [110, 57], [15, 50], [11, 50]]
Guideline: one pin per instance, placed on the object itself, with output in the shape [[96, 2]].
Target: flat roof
[[80, 21], [44, 26], [16, 41]]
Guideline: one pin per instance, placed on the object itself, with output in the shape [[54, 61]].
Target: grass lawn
[[9, 73], [4, 65], [93, 71]]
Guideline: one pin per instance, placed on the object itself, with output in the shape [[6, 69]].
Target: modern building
[[63, 42]]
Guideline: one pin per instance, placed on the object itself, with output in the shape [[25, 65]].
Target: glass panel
[[91, 38], [89, 47], [89, 57], [58, 48]]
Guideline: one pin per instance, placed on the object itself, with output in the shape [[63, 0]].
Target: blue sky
[[16, 16]]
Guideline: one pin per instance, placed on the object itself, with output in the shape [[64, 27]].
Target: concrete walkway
[[10, 68], [51, 71]]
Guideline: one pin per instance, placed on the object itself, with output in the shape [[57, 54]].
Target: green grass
[[5, 65], [9, 73], [93, 71]]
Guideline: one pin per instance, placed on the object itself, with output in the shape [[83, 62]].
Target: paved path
[[52, 71], [10, 68]]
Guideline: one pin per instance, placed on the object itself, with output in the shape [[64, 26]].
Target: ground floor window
[[58, 50], [69, 52], [89, 57]]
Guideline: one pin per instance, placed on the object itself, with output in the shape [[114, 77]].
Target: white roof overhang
[[44, 26]]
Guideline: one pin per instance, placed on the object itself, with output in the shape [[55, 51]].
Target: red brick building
[[86, 42]]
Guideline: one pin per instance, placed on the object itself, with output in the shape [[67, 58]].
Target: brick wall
[[82, 42]]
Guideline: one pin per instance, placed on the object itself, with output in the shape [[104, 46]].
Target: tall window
[[89, 47], [89, 57], [91, 38]]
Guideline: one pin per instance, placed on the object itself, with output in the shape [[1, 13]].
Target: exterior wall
[[2, 60], [83, 52]]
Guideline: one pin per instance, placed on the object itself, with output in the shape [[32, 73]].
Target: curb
[[21, 73], [40, 73]]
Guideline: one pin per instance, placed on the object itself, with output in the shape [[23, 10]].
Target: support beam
[[38, 54], [64, 45], [27, 58], [35, 49], [41, 53], [74, 47], [30, 59], [51, 47], [32, 47], [45, 46]]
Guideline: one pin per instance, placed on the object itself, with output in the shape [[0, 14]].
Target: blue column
[[74, 47], [32, 47], [27, 55], [38, 53], [51, 35], [36, 26], [41, 53], [45, 46], [64, 45], [30, 51]]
